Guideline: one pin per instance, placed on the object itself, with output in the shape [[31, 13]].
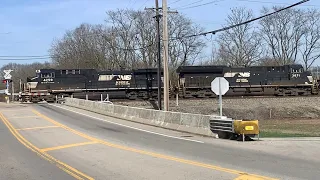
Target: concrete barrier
[[184, 122]]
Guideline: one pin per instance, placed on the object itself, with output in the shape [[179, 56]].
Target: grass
[[290, 128], [281, 134]]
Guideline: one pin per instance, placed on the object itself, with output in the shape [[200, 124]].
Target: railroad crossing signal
[[5, 81], [7, 74], [220, 86]]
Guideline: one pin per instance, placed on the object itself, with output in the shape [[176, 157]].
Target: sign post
[[7, 76], [220, 86]]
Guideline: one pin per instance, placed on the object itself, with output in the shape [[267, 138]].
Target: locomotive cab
[[297, 72], [46, 76], [41, 81]]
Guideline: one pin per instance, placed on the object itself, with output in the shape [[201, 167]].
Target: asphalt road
[[19, 162], [92, 146]]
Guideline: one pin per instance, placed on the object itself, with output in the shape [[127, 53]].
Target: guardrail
[[206, 125], [228, 128], [183, 122]]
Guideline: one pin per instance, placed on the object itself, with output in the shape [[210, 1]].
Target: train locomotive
[[287, 80], [193, 82], [48, 84]]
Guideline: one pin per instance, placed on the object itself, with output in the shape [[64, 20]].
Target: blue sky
[[28, 27]]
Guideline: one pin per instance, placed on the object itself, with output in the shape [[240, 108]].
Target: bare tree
[[129, 42], [211, 59], [183, 51], [310, 47], [282, 32], [239, 46], [267, 61], [81, 48], [135, 36]]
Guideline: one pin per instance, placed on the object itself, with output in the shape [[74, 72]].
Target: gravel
[[246, 108]]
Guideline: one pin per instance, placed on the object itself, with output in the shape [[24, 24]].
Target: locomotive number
[[242, 80], [295, 75], [47, 80], [122, 83]]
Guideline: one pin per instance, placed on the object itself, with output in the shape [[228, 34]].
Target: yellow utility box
[[247, 127]]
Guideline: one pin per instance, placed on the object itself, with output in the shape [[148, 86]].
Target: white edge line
[[127, 126]]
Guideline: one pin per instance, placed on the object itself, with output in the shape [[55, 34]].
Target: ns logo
[[244, 74], [239, 74], [117, 77], [124, 77]]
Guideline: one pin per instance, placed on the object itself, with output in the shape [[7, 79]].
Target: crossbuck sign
[[7, 74]]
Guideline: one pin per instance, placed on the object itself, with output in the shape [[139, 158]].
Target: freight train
[[192, 82]]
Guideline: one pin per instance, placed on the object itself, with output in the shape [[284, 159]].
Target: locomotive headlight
[[310, 78]]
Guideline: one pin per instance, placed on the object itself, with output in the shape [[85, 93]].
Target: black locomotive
[[134, 84], [193, 82]]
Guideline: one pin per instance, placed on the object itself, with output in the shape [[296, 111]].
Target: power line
[[174, 2], [211, 2], [24, 56], [21, 59], [143, 4], [134, 49], [5, 33], [270, 2], [246, 22], [189, 4], [134, 2], [128, 4]]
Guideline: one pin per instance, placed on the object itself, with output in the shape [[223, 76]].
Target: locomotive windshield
[[48, 75]]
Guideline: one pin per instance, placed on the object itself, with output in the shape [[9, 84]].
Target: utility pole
[[12, 88], [165, 55], [20, 87], [159, 54]]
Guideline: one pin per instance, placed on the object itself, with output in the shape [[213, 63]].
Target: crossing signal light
[[5, 81]]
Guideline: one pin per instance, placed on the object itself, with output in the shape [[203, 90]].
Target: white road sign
[[220, 86], [222, 83], [7, 74]]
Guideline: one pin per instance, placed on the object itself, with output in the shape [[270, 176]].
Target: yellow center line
[[246, 177], [12, 110], [21, 117], [185, 161], [32, 128], [68, 169], [67, 146]]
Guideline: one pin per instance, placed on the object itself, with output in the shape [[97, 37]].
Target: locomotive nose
[[309, 76]]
